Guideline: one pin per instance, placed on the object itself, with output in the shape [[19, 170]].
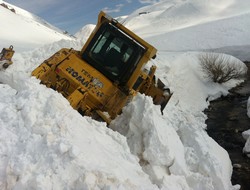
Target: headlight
[[97, 83]]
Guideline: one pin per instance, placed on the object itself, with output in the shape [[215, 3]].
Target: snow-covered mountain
[[85, 32], [45, 144], [187, 25], [25, 31]]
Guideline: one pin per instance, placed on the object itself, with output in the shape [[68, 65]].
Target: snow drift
[[48, 145]]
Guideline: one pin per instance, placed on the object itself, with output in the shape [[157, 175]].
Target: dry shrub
[[221, 68]]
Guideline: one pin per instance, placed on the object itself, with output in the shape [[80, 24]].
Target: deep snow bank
[[48, 145], [176, 145]]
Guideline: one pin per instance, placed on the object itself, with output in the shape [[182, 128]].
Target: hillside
[[45, 144], [24, 30], [192, 25]]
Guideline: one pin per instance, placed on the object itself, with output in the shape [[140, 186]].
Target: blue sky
[[72, 15]]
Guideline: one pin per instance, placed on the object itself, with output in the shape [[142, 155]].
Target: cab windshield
[[113, 53]]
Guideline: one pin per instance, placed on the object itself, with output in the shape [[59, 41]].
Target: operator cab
[[113, 53]]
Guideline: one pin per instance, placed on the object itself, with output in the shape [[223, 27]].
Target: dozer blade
[[157, 90]]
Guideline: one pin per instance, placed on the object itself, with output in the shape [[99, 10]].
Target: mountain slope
[[24, 30], [177, 25]]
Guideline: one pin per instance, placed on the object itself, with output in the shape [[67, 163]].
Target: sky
[[72, 15]]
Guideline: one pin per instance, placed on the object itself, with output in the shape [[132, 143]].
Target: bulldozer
[[5, 57], [105, 75]]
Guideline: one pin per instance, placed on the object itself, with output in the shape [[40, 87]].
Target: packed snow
[[45, 144]]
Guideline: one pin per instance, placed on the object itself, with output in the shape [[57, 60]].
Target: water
[[227, 119]]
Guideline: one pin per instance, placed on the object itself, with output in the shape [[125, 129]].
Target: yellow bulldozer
[[5, 57], [106, 74]]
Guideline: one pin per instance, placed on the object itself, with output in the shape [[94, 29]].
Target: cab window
[[113, 53]]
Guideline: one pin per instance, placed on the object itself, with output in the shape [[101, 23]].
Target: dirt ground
[[227, 119]]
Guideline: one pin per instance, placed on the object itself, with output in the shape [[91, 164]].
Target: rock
[[237, 166]]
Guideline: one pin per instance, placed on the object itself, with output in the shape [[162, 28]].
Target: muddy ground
[[227, 119]]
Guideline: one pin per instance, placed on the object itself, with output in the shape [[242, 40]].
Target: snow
[[246, 134], [86, 30], [248, 107], [165, 150], [26, 31], [45, 144], [192, 25], [45, 147]]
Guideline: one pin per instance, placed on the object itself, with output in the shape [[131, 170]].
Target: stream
[[227, 119]]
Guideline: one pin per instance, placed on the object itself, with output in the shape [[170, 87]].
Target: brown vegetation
[[221, 68]]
